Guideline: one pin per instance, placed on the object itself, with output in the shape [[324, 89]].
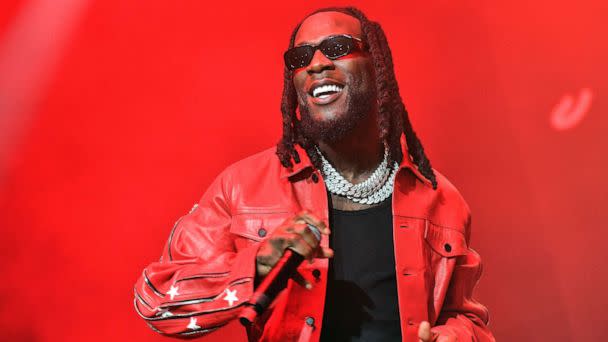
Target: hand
[[293, 234], [426, 335]]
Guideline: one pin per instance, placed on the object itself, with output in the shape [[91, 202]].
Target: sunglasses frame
[[359, 45]]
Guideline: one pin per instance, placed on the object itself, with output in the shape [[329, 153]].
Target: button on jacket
[[207, 269]]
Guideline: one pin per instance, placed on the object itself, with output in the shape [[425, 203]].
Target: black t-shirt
[[361, 302]]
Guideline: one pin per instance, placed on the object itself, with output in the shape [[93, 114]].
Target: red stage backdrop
[[116, 115]]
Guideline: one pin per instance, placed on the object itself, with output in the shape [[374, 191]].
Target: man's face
[[330, 117]]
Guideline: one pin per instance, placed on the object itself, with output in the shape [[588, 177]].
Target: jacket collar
[[408, 163], [305, 163]]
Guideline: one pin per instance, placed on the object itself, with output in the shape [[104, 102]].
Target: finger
[[309, 236], [262, 270], [297, 243], [300, 280], [296, 225], [313, 220], [278, 241], [324, 252], [268, 259], [283, 240], [269, 254], [424, 332]]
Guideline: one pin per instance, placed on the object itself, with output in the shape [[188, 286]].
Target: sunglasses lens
[[332, 48], [337, 47], [298, 57]]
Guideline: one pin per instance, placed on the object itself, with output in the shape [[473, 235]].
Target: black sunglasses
[[332, 47]]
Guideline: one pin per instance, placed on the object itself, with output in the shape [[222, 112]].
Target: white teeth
[[325, 89]]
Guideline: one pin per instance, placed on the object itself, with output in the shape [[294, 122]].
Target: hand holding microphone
[[297, 239]]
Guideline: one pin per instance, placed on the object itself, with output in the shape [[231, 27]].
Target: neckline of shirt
[[386, 203]]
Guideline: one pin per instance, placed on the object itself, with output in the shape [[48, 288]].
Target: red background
[[115, 116]]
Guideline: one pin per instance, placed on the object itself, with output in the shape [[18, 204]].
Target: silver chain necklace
[[375, 189]]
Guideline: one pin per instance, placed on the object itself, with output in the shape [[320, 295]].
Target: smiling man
[[393, 261]]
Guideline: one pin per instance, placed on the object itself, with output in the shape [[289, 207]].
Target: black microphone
[[275, 281]]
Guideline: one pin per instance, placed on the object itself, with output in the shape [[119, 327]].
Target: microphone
[[273, 283]]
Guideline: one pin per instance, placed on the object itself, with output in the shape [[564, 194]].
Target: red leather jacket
[[206, 272]]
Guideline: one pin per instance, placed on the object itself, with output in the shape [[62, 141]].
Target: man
[[393, 258]]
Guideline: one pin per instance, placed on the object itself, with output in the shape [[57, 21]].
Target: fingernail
[[308, 286]]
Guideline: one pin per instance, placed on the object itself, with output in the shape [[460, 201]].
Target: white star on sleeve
[[172, 292], [192, 325], [230, 297]]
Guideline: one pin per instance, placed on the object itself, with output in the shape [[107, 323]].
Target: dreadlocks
[[393, 119]]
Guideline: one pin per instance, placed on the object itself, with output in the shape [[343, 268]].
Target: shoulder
[[248, 169], [255, 182]]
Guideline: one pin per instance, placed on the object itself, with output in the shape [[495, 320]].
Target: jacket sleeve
[[463, 318], [201, 281]]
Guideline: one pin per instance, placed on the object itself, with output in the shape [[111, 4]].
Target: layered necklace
[[375, 189]]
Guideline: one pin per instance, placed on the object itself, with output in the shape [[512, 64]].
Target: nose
[[319, 63]]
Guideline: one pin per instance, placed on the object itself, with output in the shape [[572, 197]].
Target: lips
[[325, 91]]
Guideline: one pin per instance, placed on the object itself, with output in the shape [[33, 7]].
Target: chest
[[362, 241]]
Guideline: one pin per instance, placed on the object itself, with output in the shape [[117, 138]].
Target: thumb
[[424, 332]]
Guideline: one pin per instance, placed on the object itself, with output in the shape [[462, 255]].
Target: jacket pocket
[[257, 226], [445, 241], [445, 246]]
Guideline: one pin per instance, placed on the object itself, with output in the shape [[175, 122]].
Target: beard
[[359, 105]]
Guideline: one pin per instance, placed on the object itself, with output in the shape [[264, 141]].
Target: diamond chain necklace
[[375, 189]]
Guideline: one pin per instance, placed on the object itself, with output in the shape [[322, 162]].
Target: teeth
[[325, 89]]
